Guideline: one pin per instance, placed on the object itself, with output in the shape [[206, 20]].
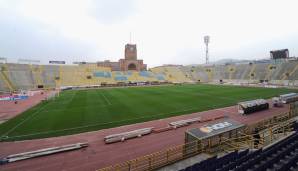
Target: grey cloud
[[23, 38], [112, 11]]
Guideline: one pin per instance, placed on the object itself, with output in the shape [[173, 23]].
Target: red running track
[[8, 109]]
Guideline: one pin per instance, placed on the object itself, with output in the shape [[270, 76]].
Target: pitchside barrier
[[13, 97], [21, 95]]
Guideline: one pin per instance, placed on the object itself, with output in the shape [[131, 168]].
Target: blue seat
[[284, 154], [102, 74], [242, 153], [196, 166], [188, 168], [145, 74], [160, 77], [120, 78]]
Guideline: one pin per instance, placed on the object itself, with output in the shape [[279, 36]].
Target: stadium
[[169, 117], [199, 85]]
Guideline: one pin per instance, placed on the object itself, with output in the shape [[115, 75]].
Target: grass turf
[[78, 111]]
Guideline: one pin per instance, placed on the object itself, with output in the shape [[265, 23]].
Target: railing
[[267, 136], [174, 154], [158, 159], [242, 142]]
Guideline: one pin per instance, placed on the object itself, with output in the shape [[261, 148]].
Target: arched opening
[[132, 66]]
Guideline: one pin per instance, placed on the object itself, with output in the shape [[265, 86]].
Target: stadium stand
[[24, 76], [294, 73], [119, 76], [20, 76], [251, 75], [279, 156], [260, 71], [200, 74], [50, 75], [5, 83], [145, 74], [36, 71], [3, 87], [276, 73], [241, 71], [160, 77], [172, 73], [219, 73], [102, 74]]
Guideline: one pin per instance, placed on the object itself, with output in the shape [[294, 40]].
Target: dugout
[[211, 134], [252, 106]]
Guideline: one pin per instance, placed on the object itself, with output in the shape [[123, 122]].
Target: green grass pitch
[[76, 111]]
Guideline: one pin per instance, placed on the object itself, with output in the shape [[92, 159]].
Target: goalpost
[[52, 95]]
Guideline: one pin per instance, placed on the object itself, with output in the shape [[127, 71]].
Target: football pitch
[[76, 111]]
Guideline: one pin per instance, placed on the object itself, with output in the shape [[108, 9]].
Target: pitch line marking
[[106, 99], [91, 125], [80, 107], [105, 123], [31, 116]]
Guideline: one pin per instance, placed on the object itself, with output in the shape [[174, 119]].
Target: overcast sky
[[165, 31]]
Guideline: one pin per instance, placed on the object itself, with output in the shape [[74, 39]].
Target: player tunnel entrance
[[132, 66]]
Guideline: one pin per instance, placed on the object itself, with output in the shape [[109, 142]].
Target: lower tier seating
[[282, 156]]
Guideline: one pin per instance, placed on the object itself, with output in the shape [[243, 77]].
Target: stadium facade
[[129, 63]]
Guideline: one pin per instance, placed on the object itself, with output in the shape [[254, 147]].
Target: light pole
[[206, 41]]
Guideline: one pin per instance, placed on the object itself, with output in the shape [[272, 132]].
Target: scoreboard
[[279, 54]]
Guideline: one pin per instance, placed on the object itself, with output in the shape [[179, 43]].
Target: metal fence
[[158, 159]]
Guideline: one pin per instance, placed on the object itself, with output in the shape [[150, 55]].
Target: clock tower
[[129, 63], [131, 52]]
